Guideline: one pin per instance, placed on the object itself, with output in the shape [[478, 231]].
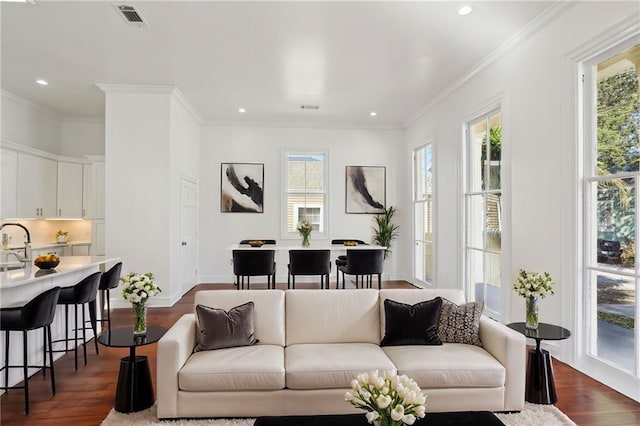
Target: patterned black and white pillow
[[460, 324]]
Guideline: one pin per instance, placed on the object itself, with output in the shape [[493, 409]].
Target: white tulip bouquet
[[390, 400], [138, 287], [533, 284]]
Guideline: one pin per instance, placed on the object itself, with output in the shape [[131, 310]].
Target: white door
[[188, 233]]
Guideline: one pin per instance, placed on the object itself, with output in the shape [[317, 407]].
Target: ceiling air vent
[[131, 15]]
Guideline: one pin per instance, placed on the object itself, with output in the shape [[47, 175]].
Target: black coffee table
[[135, 390], [461, 418], [541, 388]]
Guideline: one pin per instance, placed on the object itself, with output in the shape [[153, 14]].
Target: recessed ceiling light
[[373, 114], [42, 82], [242, 110], [465, 10]]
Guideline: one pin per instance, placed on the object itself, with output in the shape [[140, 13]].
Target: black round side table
[[135, 390], [540, 388]]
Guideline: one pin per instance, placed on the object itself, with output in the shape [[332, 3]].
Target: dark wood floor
[[84, 397]]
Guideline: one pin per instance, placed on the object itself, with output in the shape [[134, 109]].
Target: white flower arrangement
[[305, 228], [533, 284], [388, 399], [138, 287]]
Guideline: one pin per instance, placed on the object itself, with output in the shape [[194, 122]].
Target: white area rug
[[532, 415]]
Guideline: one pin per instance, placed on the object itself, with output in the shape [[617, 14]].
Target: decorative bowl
[[350, 243], [47, 264], [256, 243]]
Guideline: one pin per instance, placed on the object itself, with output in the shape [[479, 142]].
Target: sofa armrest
[[174, 348], [509, 348]]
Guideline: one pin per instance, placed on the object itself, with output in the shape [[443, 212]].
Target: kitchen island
[[18, 286]]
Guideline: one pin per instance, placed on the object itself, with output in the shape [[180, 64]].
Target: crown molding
[[83, 120], [153, 89], [304, 125], [523, 34], [31, 105], [18, 147], [617, 33], [177, 93], [135, 88]]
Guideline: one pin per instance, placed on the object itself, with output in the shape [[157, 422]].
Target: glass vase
[[140, 312], [305, 241], [532, 313]]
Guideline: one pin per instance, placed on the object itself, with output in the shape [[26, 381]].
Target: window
[[483, 211], [611, 183], [423, 213], [306, 195]]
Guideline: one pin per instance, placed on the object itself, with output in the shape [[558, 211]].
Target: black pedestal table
[[135, 389], [540, 388]]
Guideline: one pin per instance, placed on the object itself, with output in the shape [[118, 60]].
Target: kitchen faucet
[[27, 244]]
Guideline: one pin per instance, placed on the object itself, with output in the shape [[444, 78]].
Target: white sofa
[[312, 343]]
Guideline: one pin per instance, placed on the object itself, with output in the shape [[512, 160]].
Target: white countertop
[[68, 264], [45, 245]]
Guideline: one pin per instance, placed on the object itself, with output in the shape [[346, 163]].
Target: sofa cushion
[[332, 316], [415, 295], [257, 367], [452, 365], [219, 329], [460, 323], [268, 310], [332, 365], [411, 324]]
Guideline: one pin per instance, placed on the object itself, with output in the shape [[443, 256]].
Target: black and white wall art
[[241, 187], [365, 189]]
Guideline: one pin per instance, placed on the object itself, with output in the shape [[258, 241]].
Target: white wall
[[82, 136], [28, 124], [266, 145], [536, 83], [137, 184], [184, 154]]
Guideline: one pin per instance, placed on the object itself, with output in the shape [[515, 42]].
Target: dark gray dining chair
[[252, 263], [309, 262], [364, 263], [341, 260]]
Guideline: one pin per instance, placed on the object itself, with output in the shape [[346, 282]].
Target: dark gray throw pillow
[[460, 324], [219, 329], [411, 324]]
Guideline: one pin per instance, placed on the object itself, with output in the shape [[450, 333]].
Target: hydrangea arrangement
[[389, 399], [138, 287], [533, 284]]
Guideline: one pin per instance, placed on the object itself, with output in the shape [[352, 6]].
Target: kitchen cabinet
[[37, 186], [97, 238], [9, 177], [70, 191], [93, 191]]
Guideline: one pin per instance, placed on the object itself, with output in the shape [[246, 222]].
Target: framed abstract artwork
[[241, 187], [365, 190]]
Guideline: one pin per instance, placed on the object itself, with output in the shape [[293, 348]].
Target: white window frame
[[467, 193], [418, 255], [625, 382], [315, 235]]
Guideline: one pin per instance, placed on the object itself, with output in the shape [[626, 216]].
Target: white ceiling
[[349, 58]]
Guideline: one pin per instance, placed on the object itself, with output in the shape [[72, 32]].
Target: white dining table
[[317, 246]]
